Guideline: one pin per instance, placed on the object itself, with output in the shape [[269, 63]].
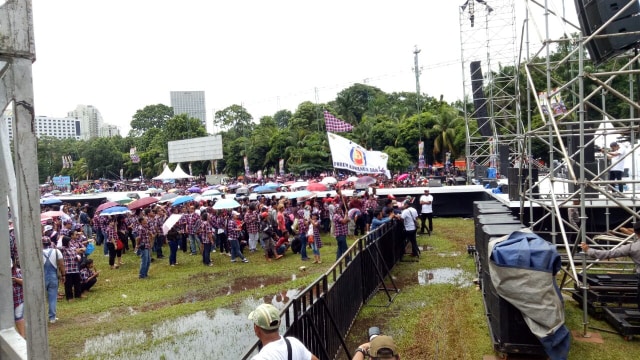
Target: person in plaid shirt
[[253, 226], [340, 222], [221, 239], [144, 247], [206, 234], [155, 224], [370, 205], [303, 225], [110, 236], [18, 298], [72, 281], [233, 234], [189, 221]]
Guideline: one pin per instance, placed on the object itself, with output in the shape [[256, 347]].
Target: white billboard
[[196, 149]]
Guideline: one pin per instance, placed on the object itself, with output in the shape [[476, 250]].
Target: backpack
[[296, 245]]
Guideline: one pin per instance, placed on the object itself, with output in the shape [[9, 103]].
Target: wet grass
[[433, 321]]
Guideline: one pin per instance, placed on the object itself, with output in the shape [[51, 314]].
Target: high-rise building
[[90, 121], [61, 128], [191, 103], [108, 130]]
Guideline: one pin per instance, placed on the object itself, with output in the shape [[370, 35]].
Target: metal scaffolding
[[488, 36]]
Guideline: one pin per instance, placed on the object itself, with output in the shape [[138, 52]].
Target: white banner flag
[[348, 155]]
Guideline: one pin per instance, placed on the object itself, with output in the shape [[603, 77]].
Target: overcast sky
[[121, 55]]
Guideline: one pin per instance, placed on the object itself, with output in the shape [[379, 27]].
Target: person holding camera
[[266, 323], [380, 347]]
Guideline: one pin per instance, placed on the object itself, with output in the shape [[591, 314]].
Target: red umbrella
[[317, 187], [142, 202], [107, 205], [51, 214]]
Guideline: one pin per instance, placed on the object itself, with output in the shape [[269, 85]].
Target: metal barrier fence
[[323, 313]]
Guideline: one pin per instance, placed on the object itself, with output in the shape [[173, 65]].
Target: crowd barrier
[[323, 313]]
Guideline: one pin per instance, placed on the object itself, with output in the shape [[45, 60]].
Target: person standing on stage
[[426, 203]]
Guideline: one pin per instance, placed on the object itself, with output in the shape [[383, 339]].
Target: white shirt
[[620, 165], [277, 350], [53, 254], [409, 215], [426, 208]]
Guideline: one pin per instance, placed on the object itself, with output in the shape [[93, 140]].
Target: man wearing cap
[[381, 347], [615, 155], [631, 250], [426, 202], [266, 323], [53, 262]]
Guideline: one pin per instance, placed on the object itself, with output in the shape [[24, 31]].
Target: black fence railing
[[323, 313]]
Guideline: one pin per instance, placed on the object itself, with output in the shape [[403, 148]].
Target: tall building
[[90, 121], [190, 103], [108, 130], [61, 128]]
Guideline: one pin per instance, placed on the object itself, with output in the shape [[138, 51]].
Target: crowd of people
[[274, 226]]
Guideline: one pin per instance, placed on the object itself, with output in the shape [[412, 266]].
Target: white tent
[[166, 174], [606, 134], [178, 173]]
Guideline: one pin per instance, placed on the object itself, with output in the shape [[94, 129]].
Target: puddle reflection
[[453, 276], [203, 335]]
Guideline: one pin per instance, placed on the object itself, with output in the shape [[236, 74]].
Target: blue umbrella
[[264, 189], [181, 200], [116, 210], [272, 185], [50, 201]]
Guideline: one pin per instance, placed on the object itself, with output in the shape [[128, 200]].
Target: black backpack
[[296, 245]]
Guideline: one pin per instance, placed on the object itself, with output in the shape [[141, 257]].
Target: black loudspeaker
[[592, 14], [573, 144], [503, 151], [519, 183], [480, 171], [479, 100]]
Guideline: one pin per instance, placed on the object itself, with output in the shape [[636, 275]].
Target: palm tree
[[445, 123]]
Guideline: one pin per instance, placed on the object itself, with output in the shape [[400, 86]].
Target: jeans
[[235, 249], [51, 285], [183, 242], [411, 238], [173, 250], [303, 248], [88, 230], [105, 240], [342, 245], [206, 253], [616, 175], [424, 217], [314, 248], [99, 237], [145, 261], [157, 245], [194, 243]]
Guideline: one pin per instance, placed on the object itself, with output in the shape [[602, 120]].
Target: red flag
[[333, 124]]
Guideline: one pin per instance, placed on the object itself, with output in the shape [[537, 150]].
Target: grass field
[[133, 318]]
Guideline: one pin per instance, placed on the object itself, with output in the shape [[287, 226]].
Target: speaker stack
[[519, 183]]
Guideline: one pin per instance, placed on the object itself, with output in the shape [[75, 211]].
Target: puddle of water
[[203, 335], [453, 276], [450, 254]]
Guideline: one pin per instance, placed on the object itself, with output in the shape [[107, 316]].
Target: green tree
[[282, 118], [234, 117], [150, 117]]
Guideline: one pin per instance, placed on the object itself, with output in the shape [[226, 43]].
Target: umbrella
[[170, 222], [299, 184], [211, 197], [181, 200], [212, 192], [152, 190], [234, 186], [225, 204], [364, 182], [341, 183], [172, 190], [142, 202], [329, 180], [403, 177], [168, 196], [352, 179], [317, 187], [56, 192], [300, 194], [47, 195], [194, 189], [108, 204], [272, 185], [51, 214], [264, 189], [116, 210], [50, 201]]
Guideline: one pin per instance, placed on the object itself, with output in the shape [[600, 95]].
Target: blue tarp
[[523, 268]]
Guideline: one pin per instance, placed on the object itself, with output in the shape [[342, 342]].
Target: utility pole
[[418, 71]]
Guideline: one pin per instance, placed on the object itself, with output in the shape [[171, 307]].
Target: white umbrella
[[212, 192], [225, 204], [299, 184], [329, 180], [352, 179], [171, 220]]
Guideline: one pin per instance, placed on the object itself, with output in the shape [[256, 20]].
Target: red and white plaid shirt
[[340, 228], [251, 220]]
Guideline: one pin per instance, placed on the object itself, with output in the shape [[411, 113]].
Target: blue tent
[[523, 268]]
